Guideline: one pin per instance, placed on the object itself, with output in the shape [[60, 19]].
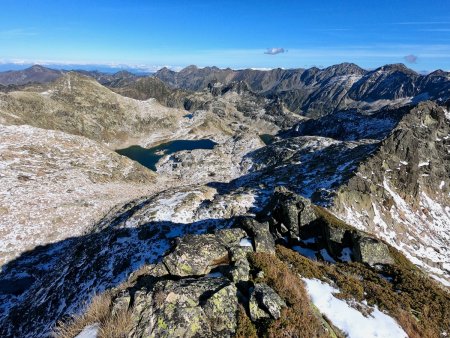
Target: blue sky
[[236, 34]]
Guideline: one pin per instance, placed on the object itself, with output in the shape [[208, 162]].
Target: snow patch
[[247, 241], [348, 319], [447, 113], [90, 331]]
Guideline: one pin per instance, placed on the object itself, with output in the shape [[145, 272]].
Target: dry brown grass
[[98, 311], [421, 307], [298, 319], [245, 327], [116, 326]]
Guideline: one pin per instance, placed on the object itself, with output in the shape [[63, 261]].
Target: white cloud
[[274, 51]]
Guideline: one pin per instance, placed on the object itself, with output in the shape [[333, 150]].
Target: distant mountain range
[[316, 92], [310, 92]]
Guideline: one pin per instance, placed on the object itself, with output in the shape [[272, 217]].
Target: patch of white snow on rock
[[90, 331]]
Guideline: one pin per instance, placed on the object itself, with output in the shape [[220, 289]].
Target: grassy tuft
[[298, 319], [98, 312]]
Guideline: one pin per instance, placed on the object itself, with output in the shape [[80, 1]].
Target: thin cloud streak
[[17, 32], [422, 23], [434, 30]]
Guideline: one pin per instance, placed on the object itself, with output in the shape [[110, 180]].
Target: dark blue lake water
[[148, 157], [267, 138]]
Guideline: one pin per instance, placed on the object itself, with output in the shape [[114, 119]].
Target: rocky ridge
[[127, 243], [316, 92], [189, 293], [401, 193]]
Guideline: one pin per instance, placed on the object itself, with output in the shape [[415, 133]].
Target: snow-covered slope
[[402, 193], [55, 186]]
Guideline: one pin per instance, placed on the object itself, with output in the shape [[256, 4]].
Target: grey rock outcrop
[[204, 307], [262, 237], [265, 303], [196, 255], [290, 211], [231, 237], [400, 194], [370, 250], [240, 271]]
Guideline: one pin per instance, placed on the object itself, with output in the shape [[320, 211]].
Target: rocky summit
[[321, 207]]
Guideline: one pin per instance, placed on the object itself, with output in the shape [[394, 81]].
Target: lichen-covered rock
[[121, 302], [196, 255], [240, 252], [336, 237], [265, 302], [291, 210], [334, 233], [220, 309], [240, 271], [370, 250], [154, 270], [204, 307], [262, 237], [230, 237]]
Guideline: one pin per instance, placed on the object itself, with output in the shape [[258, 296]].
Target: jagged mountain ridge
[[315, 92]]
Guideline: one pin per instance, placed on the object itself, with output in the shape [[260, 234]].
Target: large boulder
[[265, 303], [290, 211], [370, 250], [204, 307], [337, 234], [196, 255], [231, 237], [262, 237]]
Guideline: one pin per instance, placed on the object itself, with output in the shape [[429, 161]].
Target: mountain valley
[[302, 181]]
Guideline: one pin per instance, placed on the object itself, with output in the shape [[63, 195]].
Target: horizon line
[[154, 68]]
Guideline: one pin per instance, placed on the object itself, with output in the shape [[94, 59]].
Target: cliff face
[[402, 192]]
